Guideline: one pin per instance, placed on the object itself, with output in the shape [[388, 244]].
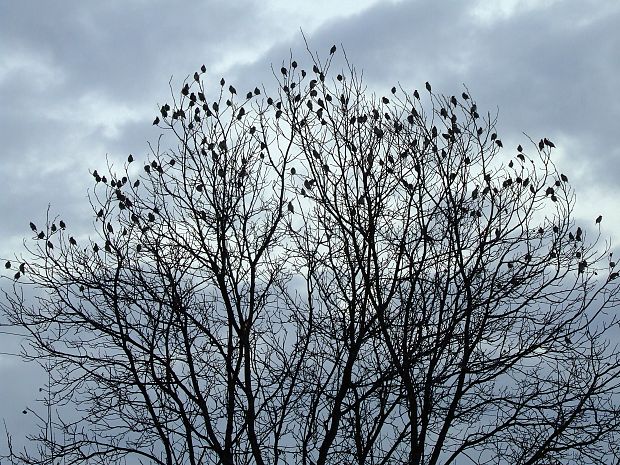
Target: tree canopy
[[323, 275]]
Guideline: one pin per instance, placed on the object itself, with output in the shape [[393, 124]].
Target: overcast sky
[[80, 81]]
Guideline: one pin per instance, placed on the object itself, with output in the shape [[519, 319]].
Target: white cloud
[[491, 11], [96, 111], [35, 69]]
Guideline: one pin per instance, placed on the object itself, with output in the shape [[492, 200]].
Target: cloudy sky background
[[81, 80]]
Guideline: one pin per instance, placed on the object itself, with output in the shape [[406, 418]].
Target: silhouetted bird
[[453, 100], [203, 68], [50, 245], [232, 90], [293, 170], [332, 50], [599, 219], [222, 82], [110, 228], [465, 96], [428, 86], [62, 224], [7, 265], [582, 266], [416, 94], [291, 208], [578, 234], [156, 121], [283, 70], [613, 276], [72, 241], [22, 267], [563, 177], [385, 100]]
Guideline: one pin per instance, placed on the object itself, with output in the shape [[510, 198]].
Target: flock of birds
[[165, 110]]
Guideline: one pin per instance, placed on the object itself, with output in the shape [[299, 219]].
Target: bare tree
[[325, 276]]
